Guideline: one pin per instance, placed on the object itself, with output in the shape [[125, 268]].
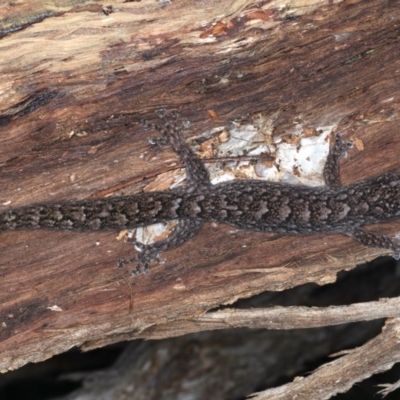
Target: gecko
[[250, 204]]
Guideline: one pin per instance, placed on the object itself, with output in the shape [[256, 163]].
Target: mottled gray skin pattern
[[248, 204]]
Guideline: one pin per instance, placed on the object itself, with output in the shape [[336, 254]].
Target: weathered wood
[[74, 85], [197, 365]]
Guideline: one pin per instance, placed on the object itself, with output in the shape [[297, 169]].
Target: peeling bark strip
[[278, 318], [338, 376], [147, 365], [301, 69]]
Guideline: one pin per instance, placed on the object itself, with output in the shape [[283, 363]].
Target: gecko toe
[[141, 267], [342, 145], [158, 141], [139, 270], [142, 260], [125, 261]]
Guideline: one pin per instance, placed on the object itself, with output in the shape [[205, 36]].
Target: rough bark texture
[[74, 85]]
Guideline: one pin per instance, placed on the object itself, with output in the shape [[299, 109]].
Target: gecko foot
[[143, 263], [170, 124], [373, 239], [150, 253], [331, 169], [138, 270], [341, 146], [147, 255], [158, 141]]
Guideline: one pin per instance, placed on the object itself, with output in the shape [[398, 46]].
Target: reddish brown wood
[[74, 86]]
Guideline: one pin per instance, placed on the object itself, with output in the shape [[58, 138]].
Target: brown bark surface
[[74, 85]]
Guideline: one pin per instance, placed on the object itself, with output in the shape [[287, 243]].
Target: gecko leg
[[373, 239], [196, 173], [185, 230], [332, 165], [197, 178]]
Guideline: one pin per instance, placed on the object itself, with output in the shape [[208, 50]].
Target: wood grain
[[74, 85]]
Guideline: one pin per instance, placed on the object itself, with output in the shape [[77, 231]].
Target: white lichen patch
[[298, 160], [153, 233], [303, 164]]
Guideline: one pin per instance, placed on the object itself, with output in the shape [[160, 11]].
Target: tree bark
[[75, 83]]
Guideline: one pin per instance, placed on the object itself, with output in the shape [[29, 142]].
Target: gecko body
[[247, 204]]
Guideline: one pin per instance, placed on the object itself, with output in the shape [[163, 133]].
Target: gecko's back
[[250, 204], [282, 208]]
